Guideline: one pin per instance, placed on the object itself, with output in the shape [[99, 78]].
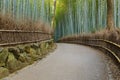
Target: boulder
[[21, 48], [3, 57], [47, 45], [3, 72], [39, 53], [35, 45], [33, 54], [12, 64], [15, 51], [43, 48], [27, 49], [23, 57], [1, 49]]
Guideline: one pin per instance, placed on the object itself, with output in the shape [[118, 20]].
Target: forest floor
[[69, 62]]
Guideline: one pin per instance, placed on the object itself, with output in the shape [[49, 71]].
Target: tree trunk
[[53, 17], [110, 21]]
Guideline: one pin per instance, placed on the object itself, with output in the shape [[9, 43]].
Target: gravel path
[[68, 62]]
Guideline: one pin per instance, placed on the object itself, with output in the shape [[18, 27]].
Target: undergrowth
[[7, 22], [111, 35]]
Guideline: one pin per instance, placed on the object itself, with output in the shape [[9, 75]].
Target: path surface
[[68, 62]]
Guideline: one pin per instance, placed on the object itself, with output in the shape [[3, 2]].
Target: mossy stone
[[43, 48], [47, 45], [21, 48], [38, 51], [27, 49], [3, 57], [35, 46], [3, 72], [15, 51], [33, 54], [1, 49], [12, 63], [42, 45], [23, 57]]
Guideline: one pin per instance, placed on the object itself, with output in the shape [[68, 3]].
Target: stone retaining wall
[[16, 57]]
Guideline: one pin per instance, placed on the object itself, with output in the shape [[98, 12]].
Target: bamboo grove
[[31, 9], [83, 16], [70, 16]]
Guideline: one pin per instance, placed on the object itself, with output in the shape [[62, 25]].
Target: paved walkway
[[68, 62]]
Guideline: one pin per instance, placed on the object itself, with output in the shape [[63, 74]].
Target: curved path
[[68, 62]]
